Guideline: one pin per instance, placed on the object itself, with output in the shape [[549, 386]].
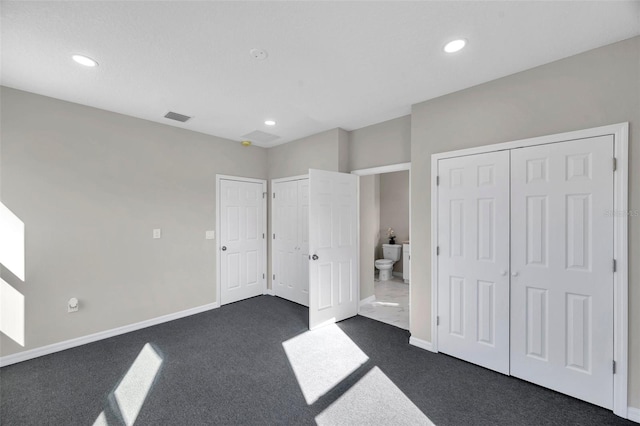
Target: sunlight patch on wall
[[12, 242], [11, 312], [321, 359], [374, 399]]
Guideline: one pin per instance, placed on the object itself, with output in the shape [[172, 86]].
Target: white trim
[[368, 300], [634, 414], [79, 341], [612, 129], [382, 169], [434, 256], [264, 227], [620, 132], [288, 179], [621, 277], [422, 344], [269, 292]]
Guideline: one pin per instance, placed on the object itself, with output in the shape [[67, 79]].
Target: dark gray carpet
[[228, 366]]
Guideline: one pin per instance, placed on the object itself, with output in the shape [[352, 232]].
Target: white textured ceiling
[[330, 64]]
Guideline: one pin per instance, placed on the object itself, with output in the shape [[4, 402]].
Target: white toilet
[[391, 253]]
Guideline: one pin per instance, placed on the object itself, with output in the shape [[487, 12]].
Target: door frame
[[620, 133], [399, 167], [272, 290], [264, 227]]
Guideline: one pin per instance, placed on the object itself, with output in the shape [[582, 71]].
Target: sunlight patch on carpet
[[321, 359], [374, 399]]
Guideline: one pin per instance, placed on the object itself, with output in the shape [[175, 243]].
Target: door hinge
[[274, 236], [274, 276], [615, 266], [264, 276], [274, 195], [438, 320], [264, 194], [437, 180], [614, 367], [438, 251], [263, 235], [615, 164]]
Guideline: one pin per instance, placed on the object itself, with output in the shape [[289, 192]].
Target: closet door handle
[[503, 272], [224, 248], [314, 257], [514, 274]]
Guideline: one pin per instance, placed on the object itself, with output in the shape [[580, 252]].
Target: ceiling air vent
[[175, 116]]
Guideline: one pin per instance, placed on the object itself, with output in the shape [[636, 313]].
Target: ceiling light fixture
[[245, 143], [85, 60], [455, 46], [270, 123]]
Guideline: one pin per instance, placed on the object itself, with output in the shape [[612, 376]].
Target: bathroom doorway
[[384, 214]]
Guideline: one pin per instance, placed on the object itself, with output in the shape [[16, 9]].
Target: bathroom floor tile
[[391, 305]]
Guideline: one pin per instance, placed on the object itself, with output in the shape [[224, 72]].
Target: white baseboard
[[79, 341], [422, 344], [270, 292], [633, 414], [369, 299]]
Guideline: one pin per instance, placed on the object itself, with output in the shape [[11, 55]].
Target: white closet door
[[333, 233], [562, 267], [285, 245], [303, 242], [473, 237], [241, 240]]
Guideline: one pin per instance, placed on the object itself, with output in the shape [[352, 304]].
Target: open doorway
[[385, 248]]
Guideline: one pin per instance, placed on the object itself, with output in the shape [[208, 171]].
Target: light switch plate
[[210, 235], [157, 233]]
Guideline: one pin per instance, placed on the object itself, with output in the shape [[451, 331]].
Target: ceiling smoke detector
[[258, 54], [178, 117]]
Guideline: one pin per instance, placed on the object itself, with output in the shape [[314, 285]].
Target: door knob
[[314, 257], [503, 272], [224, 248], [514, 274]]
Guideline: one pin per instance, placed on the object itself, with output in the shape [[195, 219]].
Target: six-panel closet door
[[473, 239], [291, 240], [525, 264], [562, 267]]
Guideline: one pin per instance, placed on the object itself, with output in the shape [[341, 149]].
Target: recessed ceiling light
[[455, 46], [270, 123], [84, 60]]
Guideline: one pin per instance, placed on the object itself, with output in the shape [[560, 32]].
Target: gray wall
[[394, 211], [320, 151], [595, 88], [381, 144], [369, 231], [90, 186]]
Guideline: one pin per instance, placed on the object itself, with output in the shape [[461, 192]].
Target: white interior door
[[562, 267], [303, 241], [333, 229], [285, 274], [473, 240], [291, 240], [241, 239]]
